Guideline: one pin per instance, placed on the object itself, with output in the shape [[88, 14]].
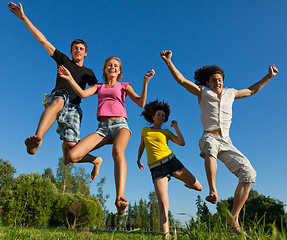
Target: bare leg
[[66, 146], [161, 189], [189, 180], [79, 152], [47, 119], [97, 161], [240, 196], [120, 168], [211, 169]]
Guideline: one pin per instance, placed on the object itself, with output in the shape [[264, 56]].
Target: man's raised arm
[[19, 13]]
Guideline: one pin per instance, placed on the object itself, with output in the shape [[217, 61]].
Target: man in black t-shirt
[[63, 103]]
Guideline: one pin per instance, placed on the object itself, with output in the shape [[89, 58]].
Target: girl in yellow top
[[160, 159]]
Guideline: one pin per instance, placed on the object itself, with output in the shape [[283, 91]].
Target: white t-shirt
[[216, 113]]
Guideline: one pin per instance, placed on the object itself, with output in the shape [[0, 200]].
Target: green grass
[[199, 231], [65, 234]]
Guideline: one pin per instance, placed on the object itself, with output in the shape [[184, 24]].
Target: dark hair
[[202, 75], [120, 63], [151, 108], [79, 41]]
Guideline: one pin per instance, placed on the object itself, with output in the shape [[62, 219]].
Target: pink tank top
[[111, 101]]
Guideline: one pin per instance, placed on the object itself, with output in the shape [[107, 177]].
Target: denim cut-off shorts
[[109, 128], [223, 149], [167, 169], [69, 118]]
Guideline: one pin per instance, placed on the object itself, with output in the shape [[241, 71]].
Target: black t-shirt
[[82, 76]]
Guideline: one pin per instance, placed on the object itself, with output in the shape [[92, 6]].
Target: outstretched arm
[[65, 74], [140, 152], [179, 138], [257, 86], [140, 101], [188, 85], [19, 13]]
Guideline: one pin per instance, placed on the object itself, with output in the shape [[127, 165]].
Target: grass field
[[200, 232]]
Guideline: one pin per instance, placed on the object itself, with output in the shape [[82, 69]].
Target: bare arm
[[188, 85], [140, 101], [19, 12], [257, 86], [65, 74], [179, 138], [140, 152]]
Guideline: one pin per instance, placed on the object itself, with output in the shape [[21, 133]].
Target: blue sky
[[243, 37]]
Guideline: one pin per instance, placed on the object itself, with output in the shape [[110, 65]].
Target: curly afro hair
[[151, 108], [201, 75]]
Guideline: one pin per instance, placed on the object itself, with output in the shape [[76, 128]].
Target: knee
[[248, 175], [72, 157], [117, 153], [58, 103]]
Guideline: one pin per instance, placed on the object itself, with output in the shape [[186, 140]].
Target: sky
[[243, 37]]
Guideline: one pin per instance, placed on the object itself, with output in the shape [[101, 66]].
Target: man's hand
[[166, 55], [272, 70], [17, 11]]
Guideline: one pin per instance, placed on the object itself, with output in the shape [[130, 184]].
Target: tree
[[202, 210], [222, 208], [6, 174], [28, 201], [101, 196], [48, 173], [130, 218], [143, 213], [73, 210], [80, 181], [271, 209], [154, 212], [64, 176], [256, 207]]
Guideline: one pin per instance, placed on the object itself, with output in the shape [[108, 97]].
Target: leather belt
[[163, 161]]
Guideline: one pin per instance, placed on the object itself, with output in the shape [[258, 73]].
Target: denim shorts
[[167, 169], [223, 149], [109, 128], [69, 118]]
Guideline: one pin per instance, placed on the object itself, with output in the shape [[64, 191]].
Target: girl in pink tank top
[[113, 128]]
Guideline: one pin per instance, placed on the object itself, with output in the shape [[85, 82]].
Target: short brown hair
[[79, 41]]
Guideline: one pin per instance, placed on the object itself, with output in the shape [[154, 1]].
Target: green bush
[[28, 201]]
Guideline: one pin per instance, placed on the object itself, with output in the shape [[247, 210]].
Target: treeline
[[142, 215], [65, 200], [48, 201], [258, 209]]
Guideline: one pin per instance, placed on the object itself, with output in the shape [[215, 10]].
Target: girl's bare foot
[[121, 204], [33, 143], [97, 163], [212, 198]]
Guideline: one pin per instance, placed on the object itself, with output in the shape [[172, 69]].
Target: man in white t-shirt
[[216, 113]]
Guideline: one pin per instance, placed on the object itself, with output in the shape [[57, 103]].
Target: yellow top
[[155, 141]]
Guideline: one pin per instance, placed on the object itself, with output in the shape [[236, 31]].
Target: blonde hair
[[120, 63]]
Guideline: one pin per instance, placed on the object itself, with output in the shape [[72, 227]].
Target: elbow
[[180, 81], [140, 102], [141, 105], [82, 96], [182, 143]]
